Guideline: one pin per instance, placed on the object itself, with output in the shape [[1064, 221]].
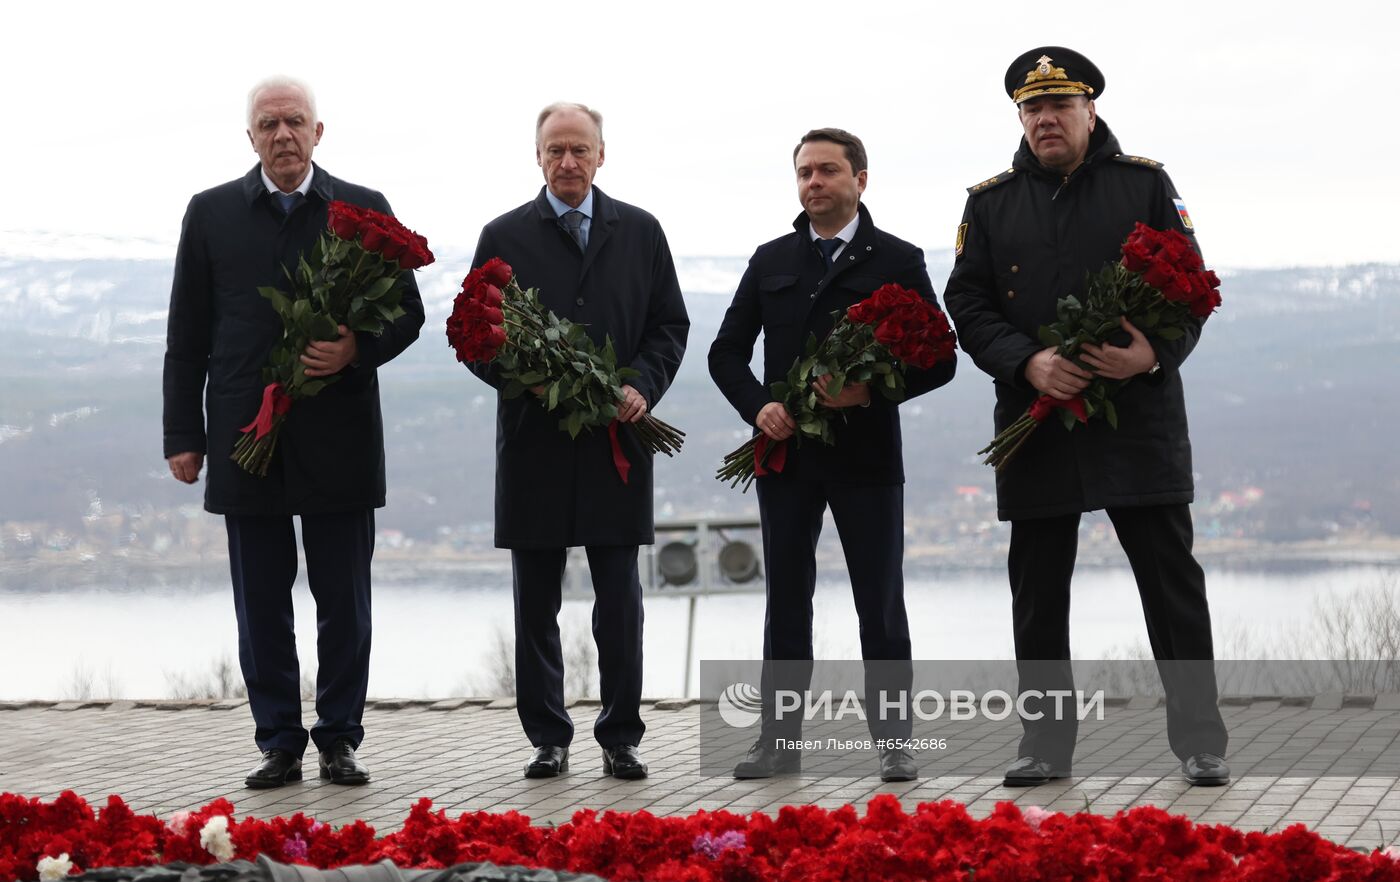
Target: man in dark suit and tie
[[329, 464], [834, 258], [606, 265]]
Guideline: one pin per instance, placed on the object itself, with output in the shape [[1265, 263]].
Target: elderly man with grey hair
[[603, 264], [329, 464]]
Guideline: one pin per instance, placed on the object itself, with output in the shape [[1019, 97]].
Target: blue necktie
[[828, 249], [573, 222], [287, 201]]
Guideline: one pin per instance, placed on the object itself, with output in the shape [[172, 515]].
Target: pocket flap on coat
[[860, 284], [777, 281]]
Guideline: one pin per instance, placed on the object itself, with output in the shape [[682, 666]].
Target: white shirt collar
[[561, 207], [303, 188], [847, 232]]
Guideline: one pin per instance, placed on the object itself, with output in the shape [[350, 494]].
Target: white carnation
[[54, 869], [215, 838]]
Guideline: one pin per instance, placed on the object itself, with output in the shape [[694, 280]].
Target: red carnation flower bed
[[937, 841]]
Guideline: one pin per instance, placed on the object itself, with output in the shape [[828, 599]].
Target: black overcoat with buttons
[[789, 294], [553, 491], [330, 451], [1029, 237]]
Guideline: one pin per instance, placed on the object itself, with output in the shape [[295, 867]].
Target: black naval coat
[[330, 452], [789, 294], [1030, 236], [553, 491]]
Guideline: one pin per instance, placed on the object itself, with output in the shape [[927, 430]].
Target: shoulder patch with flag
[[1185, 218]]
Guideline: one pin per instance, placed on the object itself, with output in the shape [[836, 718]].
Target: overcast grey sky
[[1275, 120]]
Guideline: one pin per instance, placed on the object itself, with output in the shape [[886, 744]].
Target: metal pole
[[689, 646]]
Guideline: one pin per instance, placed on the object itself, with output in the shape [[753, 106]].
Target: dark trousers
[[870, 521], [617, 630], [1157, 540], [263, 558]]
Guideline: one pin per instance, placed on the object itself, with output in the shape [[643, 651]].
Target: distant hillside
[[1286, 394]]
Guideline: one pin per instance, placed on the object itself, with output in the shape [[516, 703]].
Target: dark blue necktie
[[287, 201], [573, 222], [828, 249]]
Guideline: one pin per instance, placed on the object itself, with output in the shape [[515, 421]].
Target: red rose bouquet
[[892, 328], [351, 279], [496, 321], [1159, 286]]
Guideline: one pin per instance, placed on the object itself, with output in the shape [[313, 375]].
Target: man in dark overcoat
[[606, 265], [329, 464], [794, 287], [1028, 237]]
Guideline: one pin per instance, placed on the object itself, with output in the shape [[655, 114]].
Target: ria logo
[[740, 705]]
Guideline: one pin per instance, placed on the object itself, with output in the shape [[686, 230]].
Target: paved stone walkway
[[466, 755]]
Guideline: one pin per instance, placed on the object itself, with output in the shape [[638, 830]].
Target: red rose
[[474, 329], [890, 332], [383, 234], [1162, 276], [490, 295], [394, 244], [416, 253], [1206, 304], [343, 219], [863, 313], [885, 301], [497, 272], [1177, 249], [377, 218], [894, 297], [1137, 254], [1178, 290], [373, 236]]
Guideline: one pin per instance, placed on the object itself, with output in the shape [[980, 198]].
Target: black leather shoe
[[763, 761], [897, 765], [340, 765], [1031, 771], [624, 762], [278, 767], [1205, 770], [547, 761]]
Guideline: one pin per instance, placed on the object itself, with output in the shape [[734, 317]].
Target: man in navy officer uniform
[[833, 259], [1029, 236]]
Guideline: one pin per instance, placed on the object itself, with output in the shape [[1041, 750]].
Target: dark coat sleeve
[[663, 340], [377, 349], [1172, 353], [732, 350], [188, 340], [996, 345]]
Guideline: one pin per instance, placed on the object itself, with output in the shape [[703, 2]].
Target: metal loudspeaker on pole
[[705, 559]]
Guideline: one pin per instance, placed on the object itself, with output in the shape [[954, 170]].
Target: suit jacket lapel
[[599, 228]]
